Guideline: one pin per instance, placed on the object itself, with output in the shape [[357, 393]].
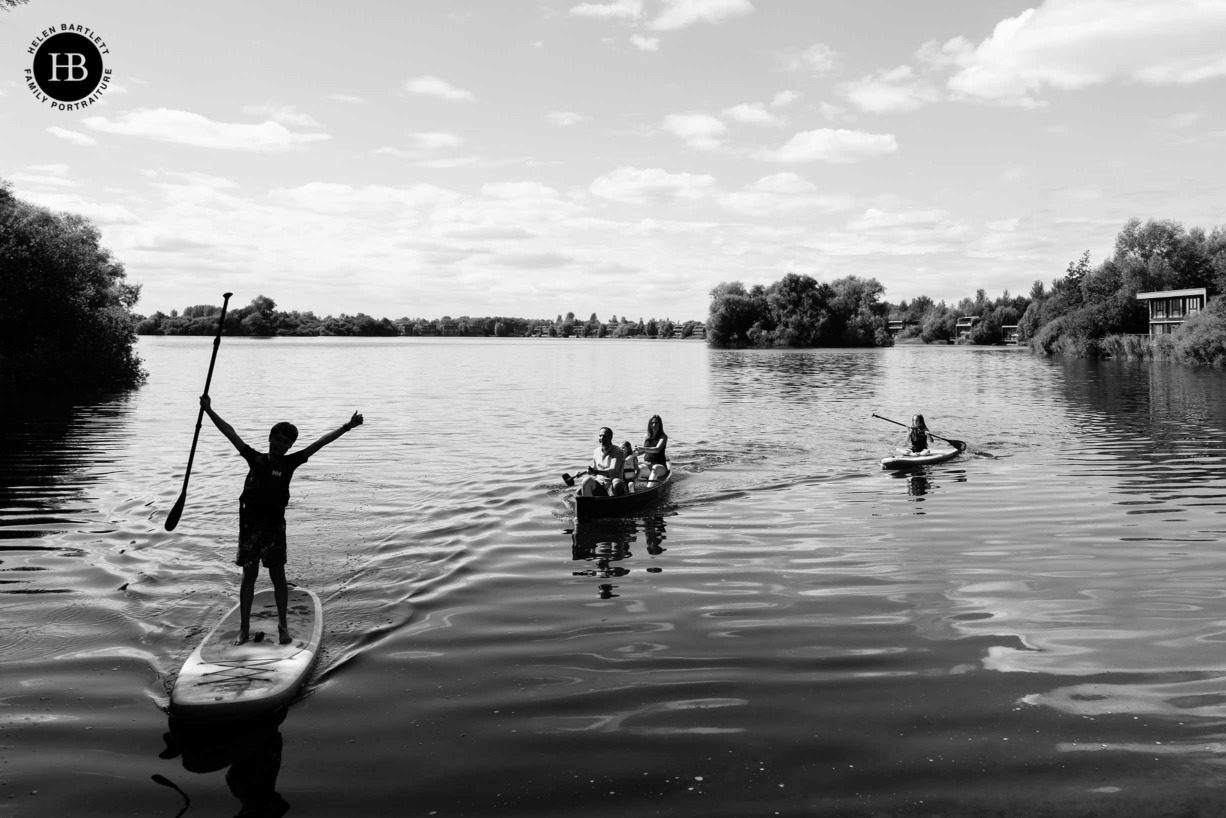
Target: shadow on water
[[605, 546], [249, 751]]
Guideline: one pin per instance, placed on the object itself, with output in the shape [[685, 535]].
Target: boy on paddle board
[[261, 510]]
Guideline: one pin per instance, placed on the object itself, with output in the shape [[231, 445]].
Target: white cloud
[[784, 99], [518, 190], [1074, 44], [1189, 119], [830, 145], [645, 43], [348, 99], [897, 89], [617, 10], [435, 87], [192, 178], [285, 114], [700, 131], [322, 197], [435, 139], [752, 114], [834, 112], [72, 136], [905, 232], [55, 175], [683, 13], [186, 128], [565, 119], [783, 194], [635, 186], [818, 58]]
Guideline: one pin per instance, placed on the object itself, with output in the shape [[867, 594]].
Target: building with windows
[[965, 324], [1170, 308], [1010, 335], [897, 325]]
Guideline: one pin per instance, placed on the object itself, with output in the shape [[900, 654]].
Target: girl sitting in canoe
[[653, 451], [630, 468], [917, 436]]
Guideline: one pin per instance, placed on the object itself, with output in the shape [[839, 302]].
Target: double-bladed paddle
[[957, 444], [172, 519]]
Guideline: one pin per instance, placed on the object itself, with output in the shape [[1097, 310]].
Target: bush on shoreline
[[66, 322]]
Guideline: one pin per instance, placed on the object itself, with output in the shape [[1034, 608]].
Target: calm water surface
[[1037, 628]]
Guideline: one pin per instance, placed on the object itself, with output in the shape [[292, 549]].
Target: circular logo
[[68, 67]]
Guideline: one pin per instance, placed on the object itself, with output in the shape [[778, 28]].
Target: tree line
[[1089, 311], [261, 318], [67, 320]]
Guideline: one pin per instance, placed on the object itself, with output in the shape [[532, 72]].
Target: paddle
[[166, 782], [172, 519], [570, 481], [957, 444]]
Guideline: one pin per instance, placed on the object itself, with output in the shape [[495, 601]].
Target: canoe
[[587, 508], [924, 458], [222, 681]]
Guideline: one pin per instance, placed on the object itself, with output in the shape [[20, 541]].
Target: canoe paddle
[[172, 519], [957, 444], [569, 480]]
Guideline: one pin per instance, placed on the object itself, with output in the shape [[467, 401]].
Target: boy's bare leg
[[280, 592], [246, 593]]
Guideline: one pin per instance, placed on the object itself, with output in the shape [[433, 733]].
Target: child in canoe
[[261, 511], [630, 466]]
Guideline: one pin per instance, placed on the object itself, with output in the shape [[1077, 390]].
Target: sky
[[617, 157]]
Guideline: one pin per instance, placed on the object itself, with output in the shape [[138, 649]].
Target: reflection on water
[[604, 544], [801, 633], [249, 751]]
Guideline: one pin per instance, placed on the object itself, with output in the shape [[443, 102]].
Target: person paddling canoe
[[604, 476]]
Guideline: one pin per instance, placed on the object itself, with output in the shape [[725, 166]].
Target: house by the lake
[[1170, 308]]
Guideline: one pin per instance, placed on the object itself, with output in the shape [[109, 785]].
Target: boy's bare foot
[[285, 638], [241, 638]]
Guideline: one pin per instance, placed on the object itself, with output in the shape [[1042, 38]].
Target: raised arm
[[223, 427], [356, 420]]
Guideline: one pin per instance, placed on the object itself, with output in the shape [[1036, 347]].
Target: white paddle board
[[221, 680]]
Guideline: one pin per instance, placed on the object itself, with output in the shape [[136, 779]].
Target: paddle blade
[[957, 444], [172, 519], [567, 479]]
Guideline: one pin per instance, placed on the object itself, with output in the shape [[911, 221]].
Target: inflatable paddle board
[[924, 458], [221, 680]]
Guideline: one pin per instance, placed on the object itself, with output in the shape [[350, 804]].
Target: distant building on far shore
[[1170, 308], [965, 324], [1010, 335]]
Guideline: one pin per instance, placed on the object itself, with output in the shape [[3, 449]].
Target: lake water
[[1038, 627]]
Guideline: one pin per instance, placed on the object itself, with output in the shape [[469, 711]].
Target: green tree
[[732, 314], [66, 315]]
